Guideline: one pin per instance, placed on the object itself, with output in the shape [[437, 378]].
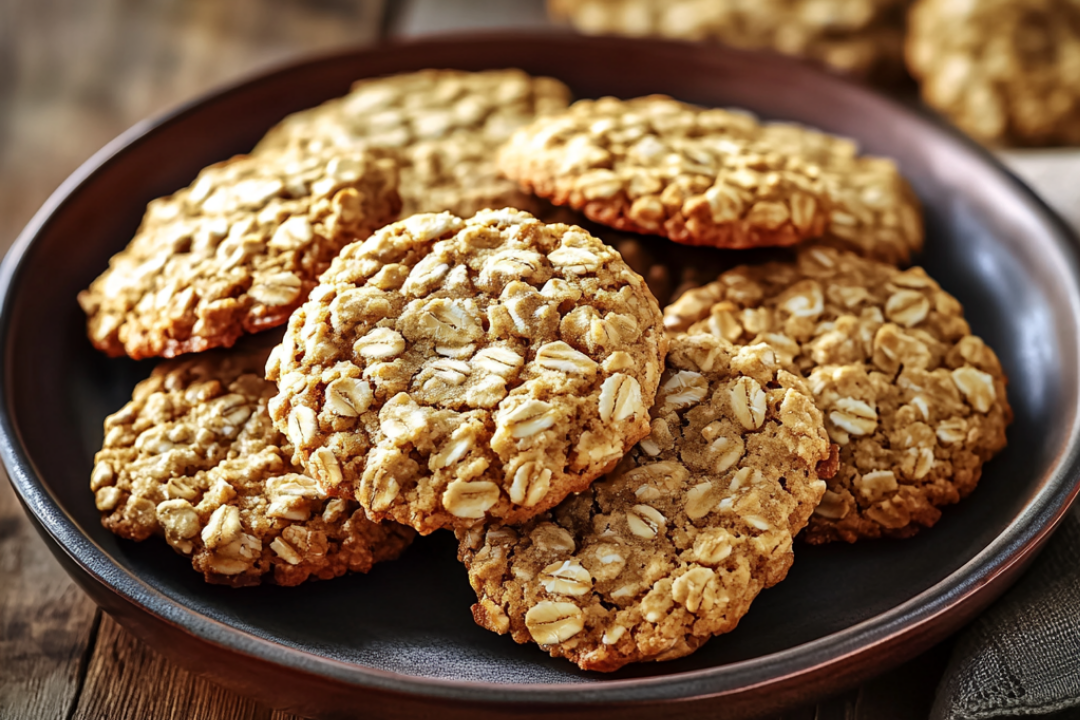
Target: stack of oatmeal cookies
[[1007, 72], [557, 352]]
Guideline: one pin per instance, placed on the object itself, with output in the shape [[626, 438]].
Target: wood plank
[[127, 680], [124, 61], [46, 622]]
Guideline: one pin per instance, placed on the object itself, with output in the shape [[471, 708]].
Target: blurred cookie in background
[[863, 38], [1006, 72]]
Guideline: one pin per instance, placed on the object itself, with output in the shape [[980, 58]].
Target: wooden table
[[74, 74]]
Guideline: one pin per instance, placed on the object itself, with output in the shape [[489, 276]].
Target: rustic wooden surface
[[74, 74]]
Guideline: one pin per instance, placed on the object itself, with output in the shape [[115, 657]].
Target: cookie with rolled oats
[[916, 402], [445, 125], [714, 177], [863, 38], [450, 371], [237, 251], [1005, 71], [673, 546], [194, 457]]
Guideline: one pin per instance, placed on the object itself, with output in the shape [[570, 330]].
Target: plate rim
[[999, 561]]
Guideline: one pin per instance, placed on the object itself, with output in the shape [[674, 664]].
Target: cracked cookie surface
[[1005, 71], [447, 370], [858, 37], [714, 177], [236, 251], [194, 457], [445, 126], [673, 546], [915, 401]]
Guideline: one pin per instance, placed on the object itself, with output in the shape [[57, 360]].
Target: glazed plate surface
[[401, 641]]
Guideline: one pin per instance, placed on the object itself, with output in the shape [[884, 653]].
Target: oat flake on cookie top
[[448, 370], [195, 457], [236, 251], [915, 401], [714, 177], [672, 547]]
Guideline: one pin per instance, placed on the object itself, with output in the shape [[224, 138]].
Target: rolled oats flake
[[554, 622]]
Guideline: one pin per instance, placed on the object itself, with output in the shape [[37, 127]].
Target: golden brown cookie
[[671, 548], [448, 371], [857, 37], [194, 457], [445, 124], [1005, 71], [236, 251], [714, 177], [915, 401]]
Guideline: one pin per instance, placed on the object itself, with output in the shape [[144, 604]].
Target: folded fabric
[[1021, 658]]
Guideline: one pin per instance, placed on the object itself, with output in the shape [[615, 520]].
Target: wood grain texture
[[76, 73], [46, 622], [127, 680]]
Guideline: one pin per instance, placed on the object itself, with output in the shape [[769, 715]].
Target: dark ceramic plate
[[400, 641]]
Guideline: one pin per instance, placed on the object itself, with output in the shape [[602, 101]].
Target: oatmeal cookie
[[1005, 71], [445, 124], [236, 251], [915, 401], [448, 371], [863, 38], [671, 548], [714, 177], [195, 457]]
